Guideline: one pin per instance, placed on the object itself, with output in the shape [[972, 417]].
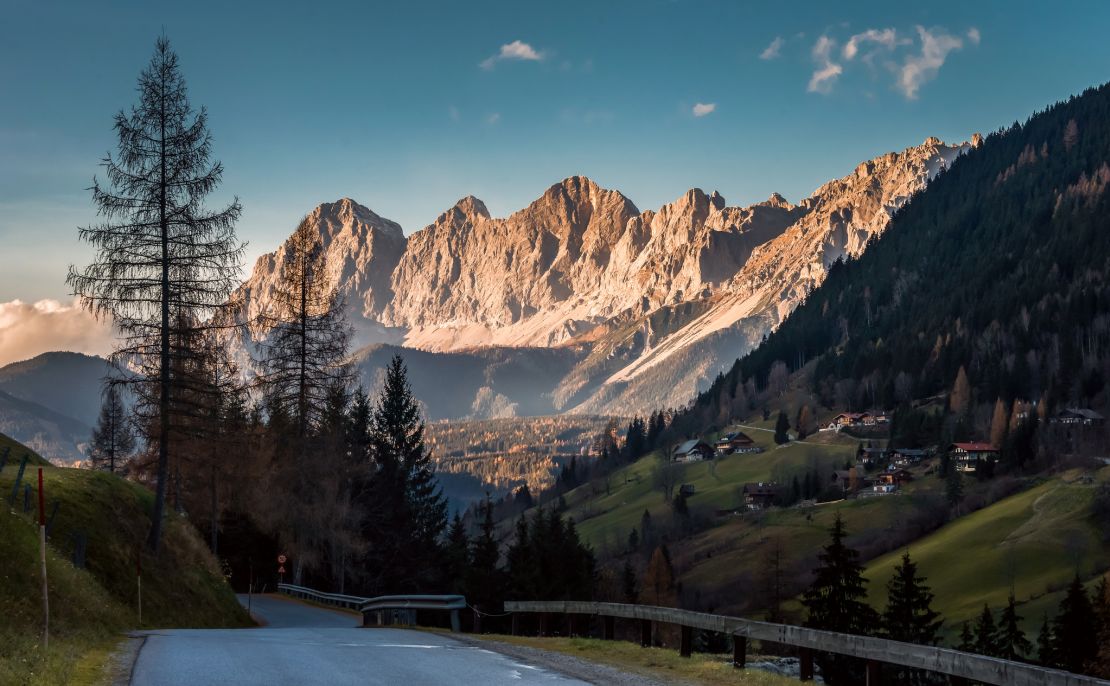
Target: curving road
[[302, 644]]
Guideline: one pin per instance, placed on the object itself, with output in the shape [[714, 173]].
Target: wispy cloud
[[29, 329], [453, 113], [827, 71], [703, 108], [913, 62], [921, 67], [493, 118], [517, 50], [773, 50], [884, 38]]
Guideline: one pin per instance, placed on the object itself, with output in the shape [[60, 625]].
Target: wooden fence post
[[874, 673], [739, 651], [685, 646], [608, 628], [805, 666], [645, 633]]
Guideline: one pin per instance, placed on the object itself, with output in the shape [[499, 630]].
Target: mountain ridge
[[582, 265]]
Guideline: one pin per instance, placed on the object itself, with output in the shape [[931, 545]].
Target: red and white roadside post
[[139, 582], [42, 557]]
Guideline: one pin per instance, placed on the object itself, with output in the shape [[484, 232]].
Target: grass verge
[[663, 664]]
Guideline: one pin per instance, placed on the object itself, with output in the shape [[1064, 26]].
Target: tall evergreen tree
[[456, 557], [986, 634], [1012, 643], [113, 439], [484, 581], [160, 253], [1074, 644], [836, 600], [909, 615], [1046, 653], [782, 427], [967, 639], [409, 510], [629, 588]]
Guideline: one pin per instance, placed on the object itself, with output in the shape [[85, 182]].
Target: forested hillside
[[1000, 268]]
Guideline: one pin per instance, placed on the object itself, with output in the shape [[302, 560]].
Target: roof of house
[[975, 447], [688, 446], [1082, 412], [911, 452]]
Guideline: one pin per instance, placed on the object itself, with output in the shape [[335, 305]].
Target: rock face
[[694, 284]]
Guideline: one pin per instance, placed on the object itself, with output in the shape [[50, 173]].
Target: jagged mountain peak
[[347, 215], [469, 208]]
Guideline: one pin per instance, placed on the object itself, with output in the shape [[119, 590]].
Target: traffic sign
[[281, 559], [281, 570]]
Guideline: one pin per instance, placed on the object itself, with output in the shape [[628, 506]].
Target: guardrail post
[[874, 673], [687, 641], [543, 624], [608, 628], [455, 625], [514, 629], [645, 633], [739, 651], [805, 666]]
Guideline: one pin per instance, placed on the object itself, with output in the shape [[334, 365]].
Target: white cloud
[[827, 71], [884, 38], [493, 118], [773, 50], [703, 108], [28, 329], [517, 50], [973, 35], [920, 68]]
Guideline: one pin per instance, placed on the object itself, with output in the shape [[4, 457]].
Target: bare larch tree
[[303, 362], [160, 253]]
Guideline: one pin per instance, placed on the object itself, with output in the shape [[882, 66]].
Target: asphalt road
[[301, 644]]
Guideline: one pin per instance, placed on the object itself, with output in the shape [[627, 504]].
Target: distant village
[[879, 470]]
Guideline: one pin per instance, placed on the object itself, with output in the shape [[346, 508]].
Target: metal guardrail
[[957, 664], [386, 609], [337, 599]]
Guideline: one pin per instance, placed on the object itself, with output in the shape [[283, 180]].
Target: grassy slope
[[182, 587], [606, 519], [1036, 539], [16, 452], [1043, 534]]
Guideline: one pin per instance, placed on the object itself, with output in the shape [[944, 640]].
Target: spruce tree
[[160, 253], [483, 577], [909, 615], [456, 557], [629, 588], [782, 427], [1046, 653], [112, 439], [986, 634], [1012, 643], [836, 600], [1074, 644], [410, 510], [967, 640]]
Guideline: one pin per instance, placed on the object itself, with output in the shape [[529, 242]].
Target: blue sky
[[408, 106]]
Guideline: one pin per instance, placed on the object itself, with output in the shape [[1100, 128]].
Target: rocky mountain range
[[625, 310]]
